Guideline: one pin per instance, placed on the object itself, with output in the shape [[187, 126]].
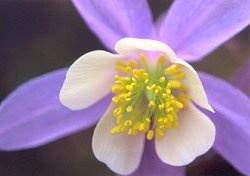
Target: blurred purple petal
[[232, 121], [112, 20], [152, 165], [32, 115], [241, 78], [195, 28]]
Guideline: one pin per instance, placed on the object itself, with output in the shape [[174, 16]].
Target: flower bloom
[[32, 115], [153, 97]]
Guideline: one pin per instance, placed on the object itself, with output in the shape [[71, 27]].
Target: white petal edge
[[194, 136], [120, 152], [88, 79], [194, 84], [127, 46]]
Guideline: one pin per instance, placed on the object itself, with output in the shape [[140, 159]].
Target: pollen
[[148, 97]]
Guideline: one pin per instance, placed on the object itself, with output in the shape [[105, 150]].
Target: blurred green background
[[43, 35]]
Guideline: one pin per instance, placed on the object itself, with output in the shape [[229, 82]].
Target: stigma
[[148, 97]]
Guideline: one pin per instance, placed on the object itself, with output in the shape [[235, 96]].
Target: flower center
[[148, 98]]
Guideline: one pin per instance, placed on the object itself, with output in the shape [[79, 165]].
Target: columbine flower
[[32, 115], [153, 94]]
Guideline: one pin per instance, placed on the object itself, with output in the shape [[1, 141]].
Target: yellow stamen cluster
[[148, 99]]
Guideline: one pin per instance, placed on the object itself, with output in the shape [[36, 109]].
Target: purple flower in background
[[32, 115]]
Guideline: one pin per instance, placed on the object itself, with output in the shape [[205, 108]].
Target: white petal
[[194, 136], [88, 79], [120, 152], [194, 84], [127, 46]]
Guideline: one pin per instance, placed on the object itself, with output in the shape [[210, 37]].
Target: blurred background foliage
[[43, 35]]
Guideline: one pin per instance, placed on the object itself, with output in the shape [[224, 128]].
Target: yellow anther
[[183, 99], [132, 64], [165, 120], [160, 120], [136, 129], [117, 111], [158, 88], [141, 73], [145, 75], [153, 86], [136, 73], [130, 131], [129, 109], [134, 80], [122, 63], [171, 118], [164, 95], [128, 69], [128, 87], [123, 128], [167, 104], [117, 89], [148, 120], [115, 99], [150, 134], [172, 69], [149, 88], [161, 126], [169, 109], [127, 95], [128, 122], [120, 66], [178, 76], [117, 77], [142, 127], [168, 90], [126, 79], [151, 104], [133, 84], [128, 99], [115, 130], [161, 106], [119, 119], [174, 84], [156, 91], [179, 104], [162, 79]]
